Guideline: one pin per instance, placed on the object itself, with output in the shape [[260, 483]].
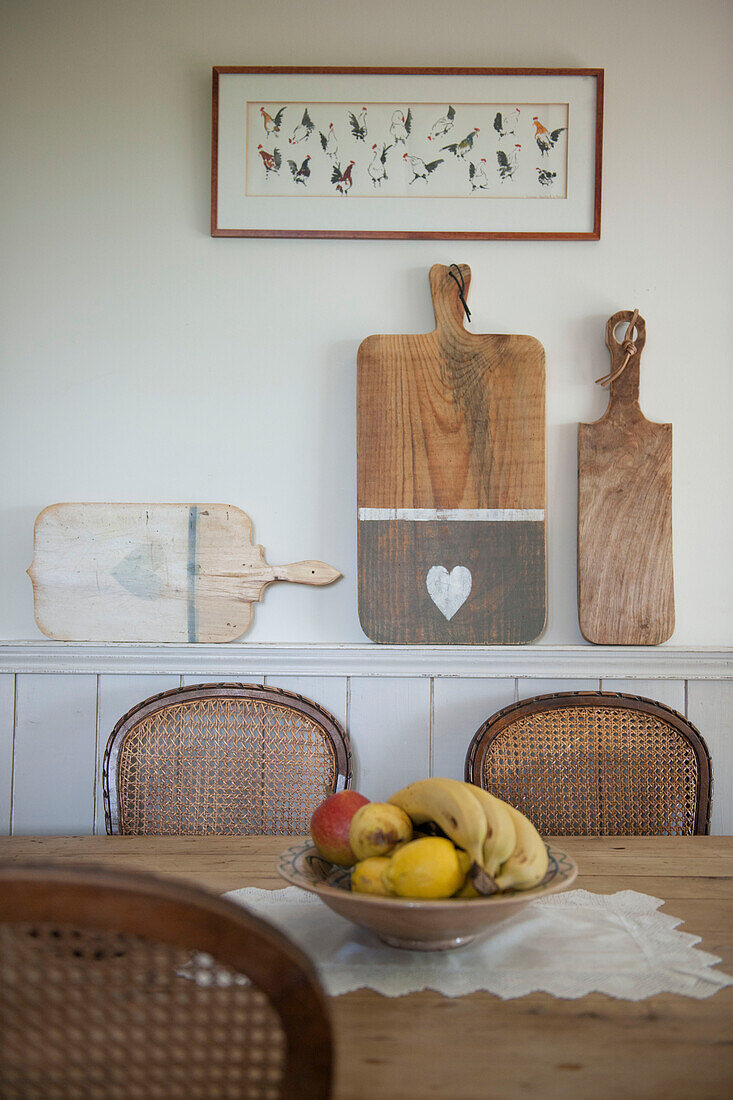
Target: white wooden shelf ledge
[[368, 659]]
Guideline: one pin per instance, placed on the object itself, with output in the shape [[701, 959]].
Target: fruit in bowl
[[330, 824], [473, 861], [486, 845], [377, 829]]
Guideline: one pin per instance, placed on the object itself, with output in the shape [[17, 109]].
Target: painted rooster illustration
[[545, 140], [508, 162], [271, 161], [477, 174], [420, 170], [272, 125], [441, 127], [377, 169], [460, 148], [401, 126], [303, 130], [358, 125], [302, 174], [506, 124], [544, 177], [329, 142], [343, 180]]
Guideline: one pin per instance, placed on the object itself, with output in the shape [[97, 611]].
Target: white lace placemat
[[567, 944]]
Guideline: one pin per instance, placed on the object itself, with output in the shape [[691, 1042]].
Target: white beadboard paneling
[[54, 761], [710, 709], [7, 716], [117, 695], [669, 692], [328, 691], [460, 705], [389, 724], [249, 678], [528, 687]]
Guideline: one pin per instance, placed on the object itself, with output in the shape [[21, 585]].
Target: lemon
[[366, 876], [425, 868]]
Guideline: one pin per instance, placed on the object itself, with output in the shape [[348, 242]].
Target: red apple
[[330, 825]]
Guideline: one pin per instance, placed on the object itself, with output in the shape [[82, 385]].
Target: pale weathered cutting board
[[625, 579], [152, 572], [451, 481]]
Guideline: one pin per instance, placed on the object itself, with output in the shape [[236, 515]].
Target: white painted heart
[[449, 591]]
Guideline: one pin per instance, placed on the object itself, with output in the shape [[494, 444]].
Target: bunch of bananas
[[486, 845]]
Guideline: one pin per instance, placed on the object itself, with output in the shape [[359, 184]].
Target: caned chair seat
[[222, 758], [595, 764], [117, 986]]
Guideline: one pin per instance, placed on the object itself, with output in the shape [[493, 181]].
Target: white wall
[[143, 360]]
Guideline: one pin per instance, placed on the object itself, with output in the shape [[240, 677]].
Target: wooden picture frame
[[454, 154]]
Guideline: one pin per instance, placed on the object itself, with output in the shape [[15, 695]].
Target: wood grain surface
[[625, 576], [152, 572], [451, 434], [477, 1046]]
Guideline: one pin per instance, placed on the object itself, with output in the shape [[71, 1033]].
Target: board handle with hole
[[623, 375]]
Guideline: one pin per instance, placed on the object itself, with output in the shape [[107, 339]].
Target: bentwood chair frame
[[596, 763], [275, 710], [119, 984]]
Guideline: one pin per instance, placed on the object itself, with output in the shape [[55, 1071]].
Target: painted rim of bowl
[[561, 873]]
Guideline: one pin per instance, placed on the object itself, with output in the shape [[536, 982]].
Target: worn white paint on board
[[449, 591], [460, 706], [389, 725], [7, 720], [54, 760], [710, 709], [117, 695], [152, 572]]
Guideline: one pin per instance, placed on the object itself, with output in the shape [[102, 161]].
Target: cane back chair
[[118, 986], [596, 764], [222, 758]]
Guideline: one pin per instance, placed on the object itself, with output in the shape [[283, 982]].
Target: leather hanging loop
[[461, 288], [628, 347]]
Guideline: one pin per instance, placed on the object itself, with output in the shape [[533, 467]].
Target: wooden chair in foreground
[[595, 764], [222, 758], [122, 985]]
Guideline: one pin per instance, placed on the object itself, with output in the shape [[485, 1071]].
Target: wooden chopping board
[[152, 572], [451, 481], [625, 578]]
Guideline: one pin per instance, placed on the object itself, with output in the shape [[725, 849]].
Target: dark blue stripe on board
[[193, 515]]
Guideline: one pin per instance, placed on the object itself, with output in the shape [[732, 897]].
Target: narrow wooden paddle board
[[451, 481], [625, 579], [152, 572]]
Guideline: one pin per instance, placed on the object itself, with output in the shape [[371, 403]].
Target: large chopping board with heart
[[152, 572], [451, 481], [625, 578]]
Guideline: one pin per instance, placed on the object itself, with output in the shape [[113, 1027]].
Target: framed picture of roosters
[[407, 153]]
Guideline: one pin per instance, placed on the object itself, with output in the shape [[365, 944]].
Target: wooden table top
[[478, 1046]]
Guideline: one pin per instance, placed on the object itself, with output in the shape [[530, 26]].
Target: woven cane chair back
[[122, 987], [595, 764], [222, 758]]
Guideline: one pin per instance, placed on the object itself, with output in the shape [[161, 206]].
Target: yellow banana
[[451, 805], [527, 865], [501, 835]]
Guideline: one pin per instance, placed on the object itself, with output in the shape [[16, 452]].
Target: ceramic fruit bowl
[[415, 924]]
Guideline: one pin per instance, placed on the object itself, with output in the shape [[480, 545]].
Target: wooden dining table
[[476, 1046]]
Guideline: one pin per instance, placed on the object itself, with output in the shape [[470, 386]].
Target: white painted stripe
[[463, 515]]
